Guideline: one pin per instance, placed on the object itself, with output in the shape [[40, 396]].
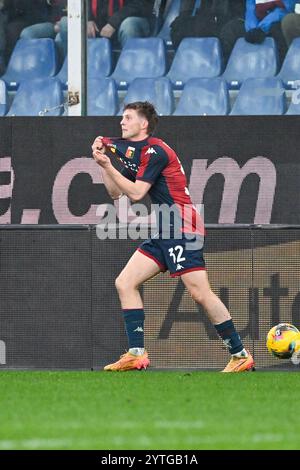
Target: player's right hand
[[98, 144]]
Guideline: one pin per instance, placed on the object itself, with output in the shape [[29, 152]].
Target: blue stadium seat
[[260, 96], [102, 99], [171, 13], [31, 58], [204, 96], [290, 70], [3, 98], [294, 107], [251, 61], [99, 60], [157, 91], [63, 74], [195, 57], [35, 97], [140, 58]]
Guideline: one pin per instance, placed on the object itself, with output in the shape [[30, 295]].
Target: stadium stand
[[172, 11], [290, 70], [251, 61], [30, 59], [156, 90], [259, 96], [102, 97], [140, 74], [38, 97], [195, 58], [140, 57], [3, 98], [204, 96]]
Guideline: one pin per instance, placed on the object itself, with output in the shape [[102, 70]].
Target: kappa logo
[[150, 151], [139, 329], [179, 266], [227, 343]]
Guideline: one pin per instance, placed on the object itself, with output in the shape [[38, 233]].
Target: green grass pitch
[[149, 410]]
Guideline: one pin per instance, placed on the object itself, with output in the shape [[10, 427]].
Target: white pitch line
[[141, 440]]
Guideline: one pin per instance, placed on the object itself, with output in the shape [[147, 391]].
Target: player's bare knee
[[195, 293], [200, 296], [124, 284], [119, 284]]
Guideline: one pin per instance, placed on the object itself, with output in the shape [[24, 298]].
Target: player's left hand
[[102, 159]]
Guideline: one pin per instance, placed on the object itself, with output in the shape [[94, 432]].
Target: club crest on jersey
[[130, 152], [150, 151]]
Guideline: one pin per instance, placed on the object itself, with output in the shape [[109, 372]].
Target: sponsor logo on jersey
[[112, 147]]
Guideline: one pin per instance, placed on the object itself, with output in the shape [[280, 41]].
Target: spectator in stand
[[56, 26], [205, 18], [15, 15], [263, 18], [291, 25], [130, 18], [122, 19]]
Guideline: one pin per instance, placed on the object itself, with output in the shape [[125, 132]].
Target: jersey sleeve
[[153, 162]]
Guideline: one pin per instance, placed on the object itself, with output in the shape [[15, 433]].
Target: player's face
[[134, 126]]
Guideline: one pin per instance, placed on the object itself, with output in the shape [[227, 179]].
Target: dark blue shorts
[[179, 256]]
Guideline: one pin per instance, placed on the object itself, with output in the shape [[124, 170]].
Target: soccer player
[[151, 166]]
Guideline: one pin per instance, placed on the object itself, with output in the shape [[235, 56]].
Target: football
[[281, 340]]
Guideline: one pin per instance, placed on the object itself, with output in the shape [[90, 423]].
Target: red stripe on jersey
[[177, 186], [143, 166]]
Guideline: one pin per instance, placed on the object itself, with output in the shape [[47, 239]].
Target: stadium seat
[[157, 91], [30, 59], [204, 96], [171, 13], [251, 61], [38, 97], [260, 96], [99, 58], [140, 57], [102, 97], [294, 107], [3, 98], [63, 74], [195, 57], [290, 70]]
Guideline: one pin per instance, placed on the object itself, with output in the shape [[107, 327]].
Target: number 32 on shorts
[[176, 254]]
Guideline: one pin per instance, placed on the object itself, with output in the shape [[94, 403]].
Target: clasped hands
[[99, 150]]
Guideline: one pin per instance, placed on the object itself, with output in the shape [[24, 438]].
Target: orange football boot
[[240, 364], [129, 361]]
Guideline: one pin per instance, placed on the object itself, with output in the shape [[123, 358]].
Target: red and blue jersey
[[153, 161]]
